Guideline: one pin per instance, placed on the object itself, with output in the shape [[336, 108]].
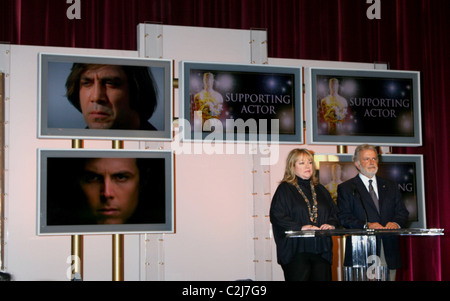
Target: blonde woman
[[301, 203]]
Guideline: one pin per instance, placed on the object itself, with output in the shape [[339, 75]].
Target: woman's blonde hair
[[289, 172]]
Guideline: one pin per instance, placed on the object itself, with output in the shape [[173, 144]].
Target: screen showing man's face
[[104, 99], [111, 187]]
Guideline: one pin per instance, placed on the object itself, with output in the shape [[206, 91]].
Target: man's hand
[[374, 226], [391, 225]]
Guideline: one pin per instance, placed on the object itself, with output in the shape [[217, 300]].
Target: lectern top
[[362, 232]]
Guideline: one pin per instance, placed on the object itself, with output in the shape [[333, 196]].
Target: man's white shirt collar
[[366, 179]]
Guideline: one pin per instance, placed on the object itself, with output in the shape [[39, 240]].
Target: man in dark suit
[[368, 201]]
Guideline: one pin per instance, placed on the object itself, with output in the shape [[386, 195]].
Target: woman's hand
[[310, 227], [392, 225], [327, 227]]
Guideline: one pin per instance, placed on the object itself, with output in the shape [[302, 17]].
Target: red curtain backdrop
[[411, 35]]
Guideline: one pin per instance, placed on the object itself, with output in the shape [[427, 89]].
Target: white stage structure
[[223, 230]]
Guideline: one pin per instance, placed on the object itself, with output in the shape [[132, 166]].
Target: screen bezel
[[164, 110], [311, 107], [417, 160], [42, 183], [295, 138]]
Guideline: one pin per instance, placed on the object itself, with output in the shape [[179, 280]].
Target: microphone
[[356, 193]]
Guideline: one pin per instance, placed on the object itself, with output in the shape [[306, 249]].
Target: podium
[[366, 265]]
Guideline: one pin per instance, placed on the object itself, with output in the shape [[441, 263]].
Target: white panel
[[29, 256], [194, 44], [214, 204], [213, 239], [4, 141], [325, 64], [214, 200], [197, 43]]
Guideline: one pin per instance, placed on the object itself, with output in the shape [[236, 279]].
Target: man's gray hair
[[361, 148]]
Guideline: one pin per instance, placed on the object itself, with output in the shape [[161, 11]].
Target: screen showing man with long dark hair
[[87, 191]]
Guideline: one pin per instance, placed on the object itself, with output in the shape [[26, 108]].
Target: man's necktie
[[374, 196]]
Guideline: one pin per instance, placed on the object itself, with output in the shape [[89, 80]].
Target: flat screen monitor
[[100, 97], [349, 106], [405, 170], [84, 191], [227, 102]]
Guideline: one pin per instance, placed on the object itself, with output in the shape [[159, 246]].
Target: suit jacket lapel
[[382, 191]]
